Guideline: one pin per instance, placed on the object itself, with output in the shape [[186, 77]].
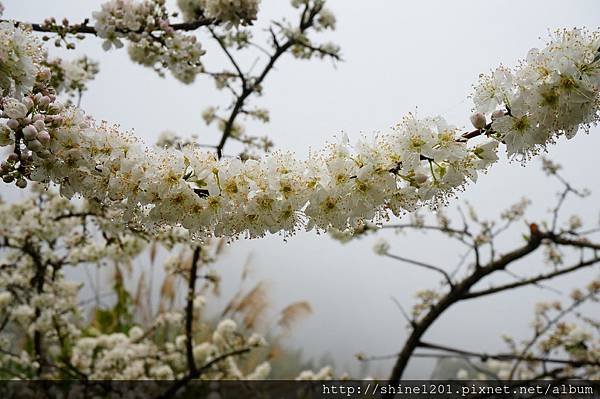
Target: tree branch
[[169, 393], [84, 28], [240, 74], [424, 265], [189, 311], [506, 356], [280, 49], [574, 243], [455, 295], [532, 280], [547, 327]]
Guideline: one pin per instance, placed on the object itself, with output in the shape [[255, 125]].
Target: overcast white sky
[[400, 56]]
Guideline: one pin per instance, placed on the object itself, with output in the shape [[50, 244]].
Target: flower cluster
[[231, 12], [325, 373], [20, 53], [553, 93], [71, 77], [136, 356], [334, 188], [322, 19], [153, 42], [417, 162], [43, 333], [28, 121], [381, 246]]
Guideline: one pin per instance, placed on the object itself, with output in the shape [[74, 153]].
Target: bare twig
[[424, 265], [532, 280], [189, 310]]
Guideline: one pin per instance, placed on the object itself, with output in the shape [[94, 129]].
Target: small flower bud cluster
[[153, 42], [323, 19], [62, 32], [27, 125]]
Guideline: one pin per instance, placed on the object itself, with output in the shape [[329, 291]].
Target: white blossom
[[553, 93], [381, 246], [153, 43], [418, 162], [20, 53], [232, 12], [261, 372]]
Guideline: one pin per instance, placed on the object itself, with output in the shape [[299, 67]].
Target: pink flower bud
[[44, 154], [35, 145], [44, 101], [421, 178], [13, 124], [39, 125], [498, 114], [478, 120], [43, 137], [45, 74], [29, 132], [28, 102], [21, 183]]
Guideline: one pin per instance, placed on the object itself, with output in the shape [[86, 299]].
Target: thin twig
[[424, 265]]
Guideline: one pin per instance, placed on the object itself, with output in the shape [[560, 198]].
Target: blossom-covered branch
[[64, 28], [154, 40], [418, 162]]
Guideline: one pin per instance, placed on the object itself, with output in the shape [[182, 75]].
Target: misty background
[[399, 56]]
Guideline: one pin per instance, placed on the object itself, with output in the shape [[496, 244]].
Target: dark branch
[[189, 311], [507, 356], [455, 295], [84, 28], [532, 280], [170, 393], [306, 21], [240, 74], [423, 265]]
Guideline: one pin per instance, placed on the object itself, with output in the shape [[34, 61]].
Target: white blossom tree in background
[[183, 194], [48, 235]]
